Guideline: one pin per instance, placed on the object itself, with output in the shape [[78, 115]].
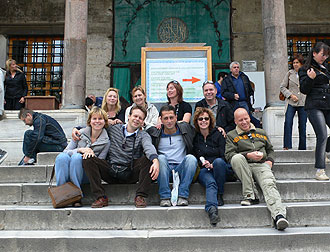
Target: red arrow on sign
[[193, 80]]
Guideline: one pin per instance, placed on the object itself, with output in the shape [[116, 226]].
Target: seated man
[[174, 142], [221, 109], [47, 135], [251, 155], [125, 162]]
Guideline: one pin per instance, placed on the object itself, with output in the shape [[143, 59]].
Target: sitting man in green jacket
[[251, 155]]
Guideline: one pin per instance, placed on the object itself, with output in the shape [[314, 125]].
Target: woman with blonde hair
[[94, 141], [111, 105], [15, 86], [139, 98]]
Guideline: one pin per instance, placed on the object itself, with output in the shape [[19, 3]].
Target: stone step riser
[[41, 173], [155, 241], [121, 194], [129, 218]]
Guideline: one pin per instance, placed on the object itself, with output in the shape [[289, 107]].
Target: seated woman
[[111, 105], [139, 98], [209, 149], [94, 141], [175, 98]]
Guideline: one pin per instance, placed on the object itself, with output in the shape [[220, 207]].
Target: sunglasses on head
[[174, 82], [203, 118], [207, 82]]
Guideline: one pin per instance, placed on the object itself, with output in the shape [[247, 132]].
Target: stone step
[[294, 156], [121, 194], [155, 217], [41, 173], [190, 240]]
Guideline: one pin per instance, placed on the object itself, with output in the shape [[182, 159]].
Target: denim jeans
[[28, 146], [186, 170], [214, 180], [302, 120], [70, 169], [319, 120]]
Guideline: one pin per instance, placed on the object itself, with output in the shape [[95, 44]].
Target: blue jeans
[[70, 169], [214, 180], [302, 120], [186, 170], [319, 120], [31, 152]]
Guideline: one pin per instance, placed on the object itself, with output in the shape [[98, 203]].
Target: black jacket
[[187, 132], [228, 90], [317, 89], [225, 114], [15, 87], [212, 148]]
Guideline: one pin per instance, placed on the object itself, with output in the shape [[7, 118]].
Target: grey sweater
[[121, 148]]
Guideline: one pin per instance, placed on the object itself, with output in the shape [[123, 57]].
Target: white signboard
[[189, 72]]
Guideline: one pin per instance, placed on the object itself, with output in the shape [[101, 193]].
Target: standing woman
[[94, 141], [175, 98], [209, 143], [15, 86], [139, 98], [111, 105], [295, 102], [315, 83]]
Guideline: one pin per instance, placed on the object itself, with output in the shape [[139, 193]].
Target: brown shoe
[[100, 202], [140, 202]]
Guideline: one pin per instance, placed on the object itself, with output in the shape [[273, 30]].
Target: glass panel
[[38, 77], [57, 51], [19, 51], [56, 76], [39, 52]]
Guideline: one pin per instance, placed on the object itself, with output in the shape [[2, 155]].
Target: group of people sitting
[[141, 145]]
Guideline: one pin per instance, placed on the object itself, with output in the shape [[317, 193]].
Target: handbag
[[281, 95], [65, 194]]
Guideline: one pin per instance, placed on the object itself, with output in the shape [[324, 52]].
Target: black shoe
[[220, 200], [281, 222], [213, 215], [249, 202]]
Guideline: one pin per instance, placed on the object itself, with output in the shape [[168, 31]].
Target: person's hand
[[159, 125], [118, 121], [255, 155], [311, 73], [294, 98], [236, 97], [21, 100], [154, 169], [4, 102], [222, 131], [88, 153], [75, 134], [207, 165], [269, 163]]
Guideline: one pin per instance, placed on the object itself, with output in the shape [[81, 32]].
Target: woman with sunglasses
[[175, 98], [209, 149]]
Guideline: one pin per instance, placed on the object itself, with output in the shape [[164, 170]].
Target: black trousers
[[13, 104], [98, 169]]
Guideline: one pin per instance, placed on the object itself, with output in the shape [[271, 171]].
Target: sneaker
[[213, 215], [249, 202], [220, 200], [101, 202], [182, 202], [140, 202], [165, 203], [280, 222], [30, 162], [3, 155], [320, 175]]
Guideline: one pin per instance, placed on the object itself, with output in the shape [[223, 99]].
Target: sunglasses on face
[[203, 118]]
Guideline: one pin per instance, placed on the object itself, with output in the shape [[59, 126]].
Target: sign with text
[[189, 72]]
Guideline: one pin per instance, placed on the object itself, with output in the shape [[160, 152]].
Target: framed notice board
[[190, 66]]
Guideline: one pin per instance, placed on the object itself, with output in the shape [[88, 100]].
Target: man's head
[[242, 119], [234, 68], [209, 91], [221, 76], [168, 116], [26, 115], [136, 117]]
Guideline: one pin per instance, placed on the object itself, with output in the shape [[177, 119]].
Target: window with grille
[[303, 44], [41, 58]]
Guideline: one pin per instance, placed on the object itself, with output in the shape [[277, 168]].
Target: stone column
[[275, 48], [75, 51]]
